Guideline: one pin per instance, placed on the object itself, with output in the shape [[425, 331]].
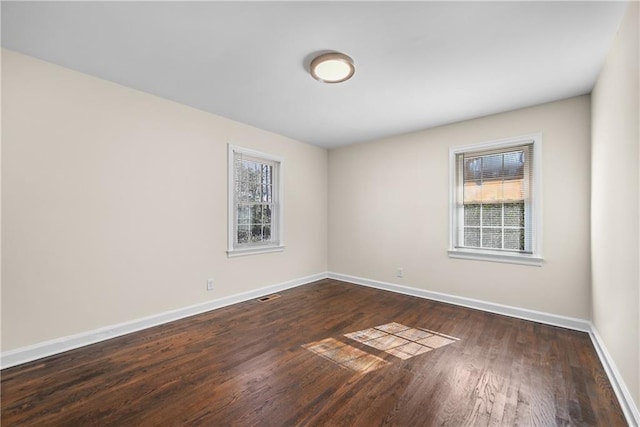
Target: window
[[495, 201], [255, 202]]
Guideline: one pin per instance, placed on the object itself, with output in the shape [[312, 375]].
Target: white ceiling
[[418, 64]]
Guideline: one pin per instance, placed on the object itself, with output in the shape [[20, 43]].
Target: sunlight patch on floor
[[345, 355], [393, 338], [400, 340]]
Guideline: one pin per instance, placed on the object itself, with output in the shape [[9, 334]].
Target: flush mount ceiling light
[[332, 67]]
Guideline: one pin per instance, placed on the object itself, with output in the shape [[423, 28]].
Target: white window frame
[[534, 219], [233, 249]]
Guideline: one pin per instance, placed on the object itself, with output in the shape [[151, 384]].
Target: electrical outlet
[[209, 284], [399, 272]]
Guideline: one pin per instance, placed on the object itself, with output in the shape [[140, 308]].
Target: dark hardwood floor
[[288, 362]]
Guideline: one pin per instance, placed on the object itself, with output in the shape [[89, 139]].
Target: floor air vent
[[269, 298]]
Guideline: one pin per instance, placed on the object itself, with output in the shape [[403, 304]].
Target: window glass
[[493, 209], [255, 199]]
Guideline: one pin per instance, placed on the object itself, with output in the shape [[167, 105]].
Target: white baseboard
[[625, 399], [627, 403], [506, 310], [71, 342]]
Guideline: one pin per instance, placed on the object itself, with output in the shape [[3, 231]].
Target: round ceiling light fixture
[[332, 67]]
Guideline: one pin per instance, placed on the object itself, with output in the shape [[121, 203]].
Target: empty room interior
[[320, 213]]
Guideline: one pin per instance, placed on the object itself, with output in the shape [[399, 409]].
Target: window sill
[[254, 250], [508, 258]]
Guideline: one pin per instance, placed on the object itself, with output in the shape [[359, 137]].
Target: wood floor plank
[[290, 362]]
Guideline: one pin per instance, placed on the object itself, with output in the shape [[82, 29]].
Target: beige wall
[[615, 211], [388, 208], [115, 204]]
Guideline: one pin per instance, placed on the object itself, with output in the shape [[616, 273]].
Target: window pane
[[248, 178], [256, 214], [266, 215], [472, 237], [241, 182], [473, 170], [514, 239], [244, 213], [266, 193], [514, 165], [243, 234], [254, 188], [492, 167], [267, 171], [492, 215], [256, 233], [514, 214], [267, 232], [472, 215], [492, 238], [237, 182]]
